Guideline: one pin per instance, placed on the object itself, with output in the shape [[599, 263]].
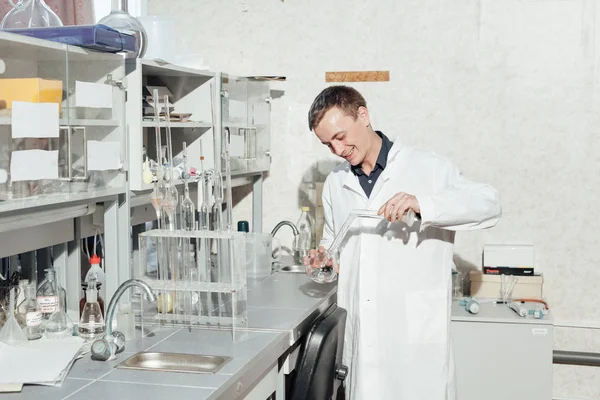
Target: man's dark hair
[[345, 98]]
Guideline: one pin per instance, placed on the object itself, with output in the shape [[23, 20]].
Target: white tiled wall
[[506, 88]]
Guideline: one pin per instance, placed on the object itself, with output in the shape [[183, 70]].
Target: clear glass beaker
[[324, 267], [30, 14]]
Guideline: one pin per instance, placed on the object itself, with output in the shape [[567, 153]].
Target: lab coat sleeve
[[328, 233], [458, 203]]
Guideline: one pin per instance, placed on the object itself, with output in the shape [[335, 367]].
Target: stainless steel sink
[[298, 269], [175, 362]]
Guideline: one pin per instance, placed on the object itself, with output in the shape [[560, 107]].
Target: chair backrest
[[321, 357]]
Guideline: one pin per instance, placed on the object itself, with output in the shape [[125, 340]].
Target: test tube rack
[[200, 279]]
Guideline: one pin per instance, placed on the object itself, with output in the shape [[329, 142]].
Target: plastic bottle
[[306, 239], [95, 269]]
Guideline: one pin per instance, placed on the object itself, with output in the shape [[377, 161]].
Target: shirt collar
[[382, 158]]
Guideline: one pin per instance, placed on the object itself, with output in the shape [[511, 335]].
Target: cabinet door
[[95, 113], [32, 118], [259, 120], [500, 361]]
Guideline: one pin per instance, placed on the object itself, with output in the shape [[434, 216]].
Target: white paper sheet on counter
[[44, 361]]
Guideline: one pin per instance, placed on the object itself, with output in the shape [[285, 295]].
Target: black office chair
[[319, 370]]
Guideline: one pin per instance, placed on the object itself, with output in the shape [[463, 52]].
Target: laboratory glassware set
[[200, 274]]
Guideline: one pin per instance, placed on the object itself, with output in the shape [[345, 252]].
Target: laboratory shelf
[[74, 122], [58, 200], [183, 125], [157, 68]]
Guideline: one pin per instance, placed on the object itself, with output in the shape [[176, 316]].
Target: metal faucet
[[114, 342], [296, 234], [288, 223], [110, 311]]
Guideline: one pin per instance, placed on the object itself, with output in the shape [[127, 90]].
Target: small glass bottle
[[82, 302], [48, 295], [91, 324], [29, 315]]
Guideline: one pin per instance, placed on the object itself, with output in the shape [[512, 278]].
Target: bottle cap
[[305, 209], [94, 260], [243, 226]]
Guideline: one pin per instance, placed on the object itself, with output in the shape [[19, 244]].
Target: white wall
[[507, 89]]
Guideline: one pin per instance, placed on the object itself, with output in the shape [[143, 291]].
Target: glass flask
[[30, 14], [324, 267], [58, 325], [48, 295], [91, 323], [120, 19], [83, 300], [29, 315]]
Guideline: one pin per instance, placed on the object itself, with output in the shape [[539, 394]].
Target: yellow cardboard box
[[33, 90]]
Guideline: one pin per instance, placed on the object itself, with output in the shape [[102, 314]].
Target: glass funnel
[[30, 14], [324, 266], [120, 19]]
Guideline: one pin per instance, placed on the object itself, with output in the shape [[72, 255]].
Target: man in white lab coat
[[394, 280]]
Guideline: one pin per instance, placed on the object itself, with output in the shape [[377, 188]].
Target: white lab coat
[[395, 281]]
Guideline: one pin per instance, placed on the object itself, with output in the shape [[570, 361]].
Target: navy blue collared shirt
[[367, 182]]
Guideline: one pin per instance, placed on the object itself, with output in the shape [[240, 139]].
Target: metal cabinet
[[499, 355]]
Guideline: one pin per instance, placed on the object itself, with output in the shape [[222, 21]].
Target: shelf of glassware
[[194, 286], [191, 97]]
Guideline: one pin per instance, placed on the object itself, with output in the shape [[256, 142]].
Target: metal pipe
[[576, 358], [110, 312], [282, 223]]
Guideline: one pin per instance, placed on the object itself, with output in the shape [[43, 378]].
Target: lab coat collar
[[351, 181]]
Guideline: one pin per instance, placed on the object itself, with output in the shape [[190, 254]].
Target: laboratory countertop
[[280, 308]]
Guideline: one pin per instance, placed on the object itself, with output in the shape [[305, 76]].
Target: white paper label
[[103, 156], [237, 109], [539, 331], [32, 165], [47, 304], [34, 120], [261, 115], [33, 318], [93, 95], [236, 146]]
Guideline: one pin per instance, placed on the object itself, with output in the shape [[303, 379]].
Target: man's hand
[[394, 208], [319, 259]]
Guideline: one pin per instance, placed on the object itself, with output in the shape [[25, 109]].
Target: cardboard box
[[489, 286], [32, 90], [508, 259]]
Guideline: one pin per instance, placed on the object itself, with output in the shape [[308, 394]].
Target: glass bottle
[[120, 19], [305, 235], [83, 299], [29, 315], [30, 14], [91, 324], [48, 295]]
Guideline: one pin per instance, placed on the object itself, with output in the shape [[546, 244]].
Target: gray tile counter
[[280, 309]]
